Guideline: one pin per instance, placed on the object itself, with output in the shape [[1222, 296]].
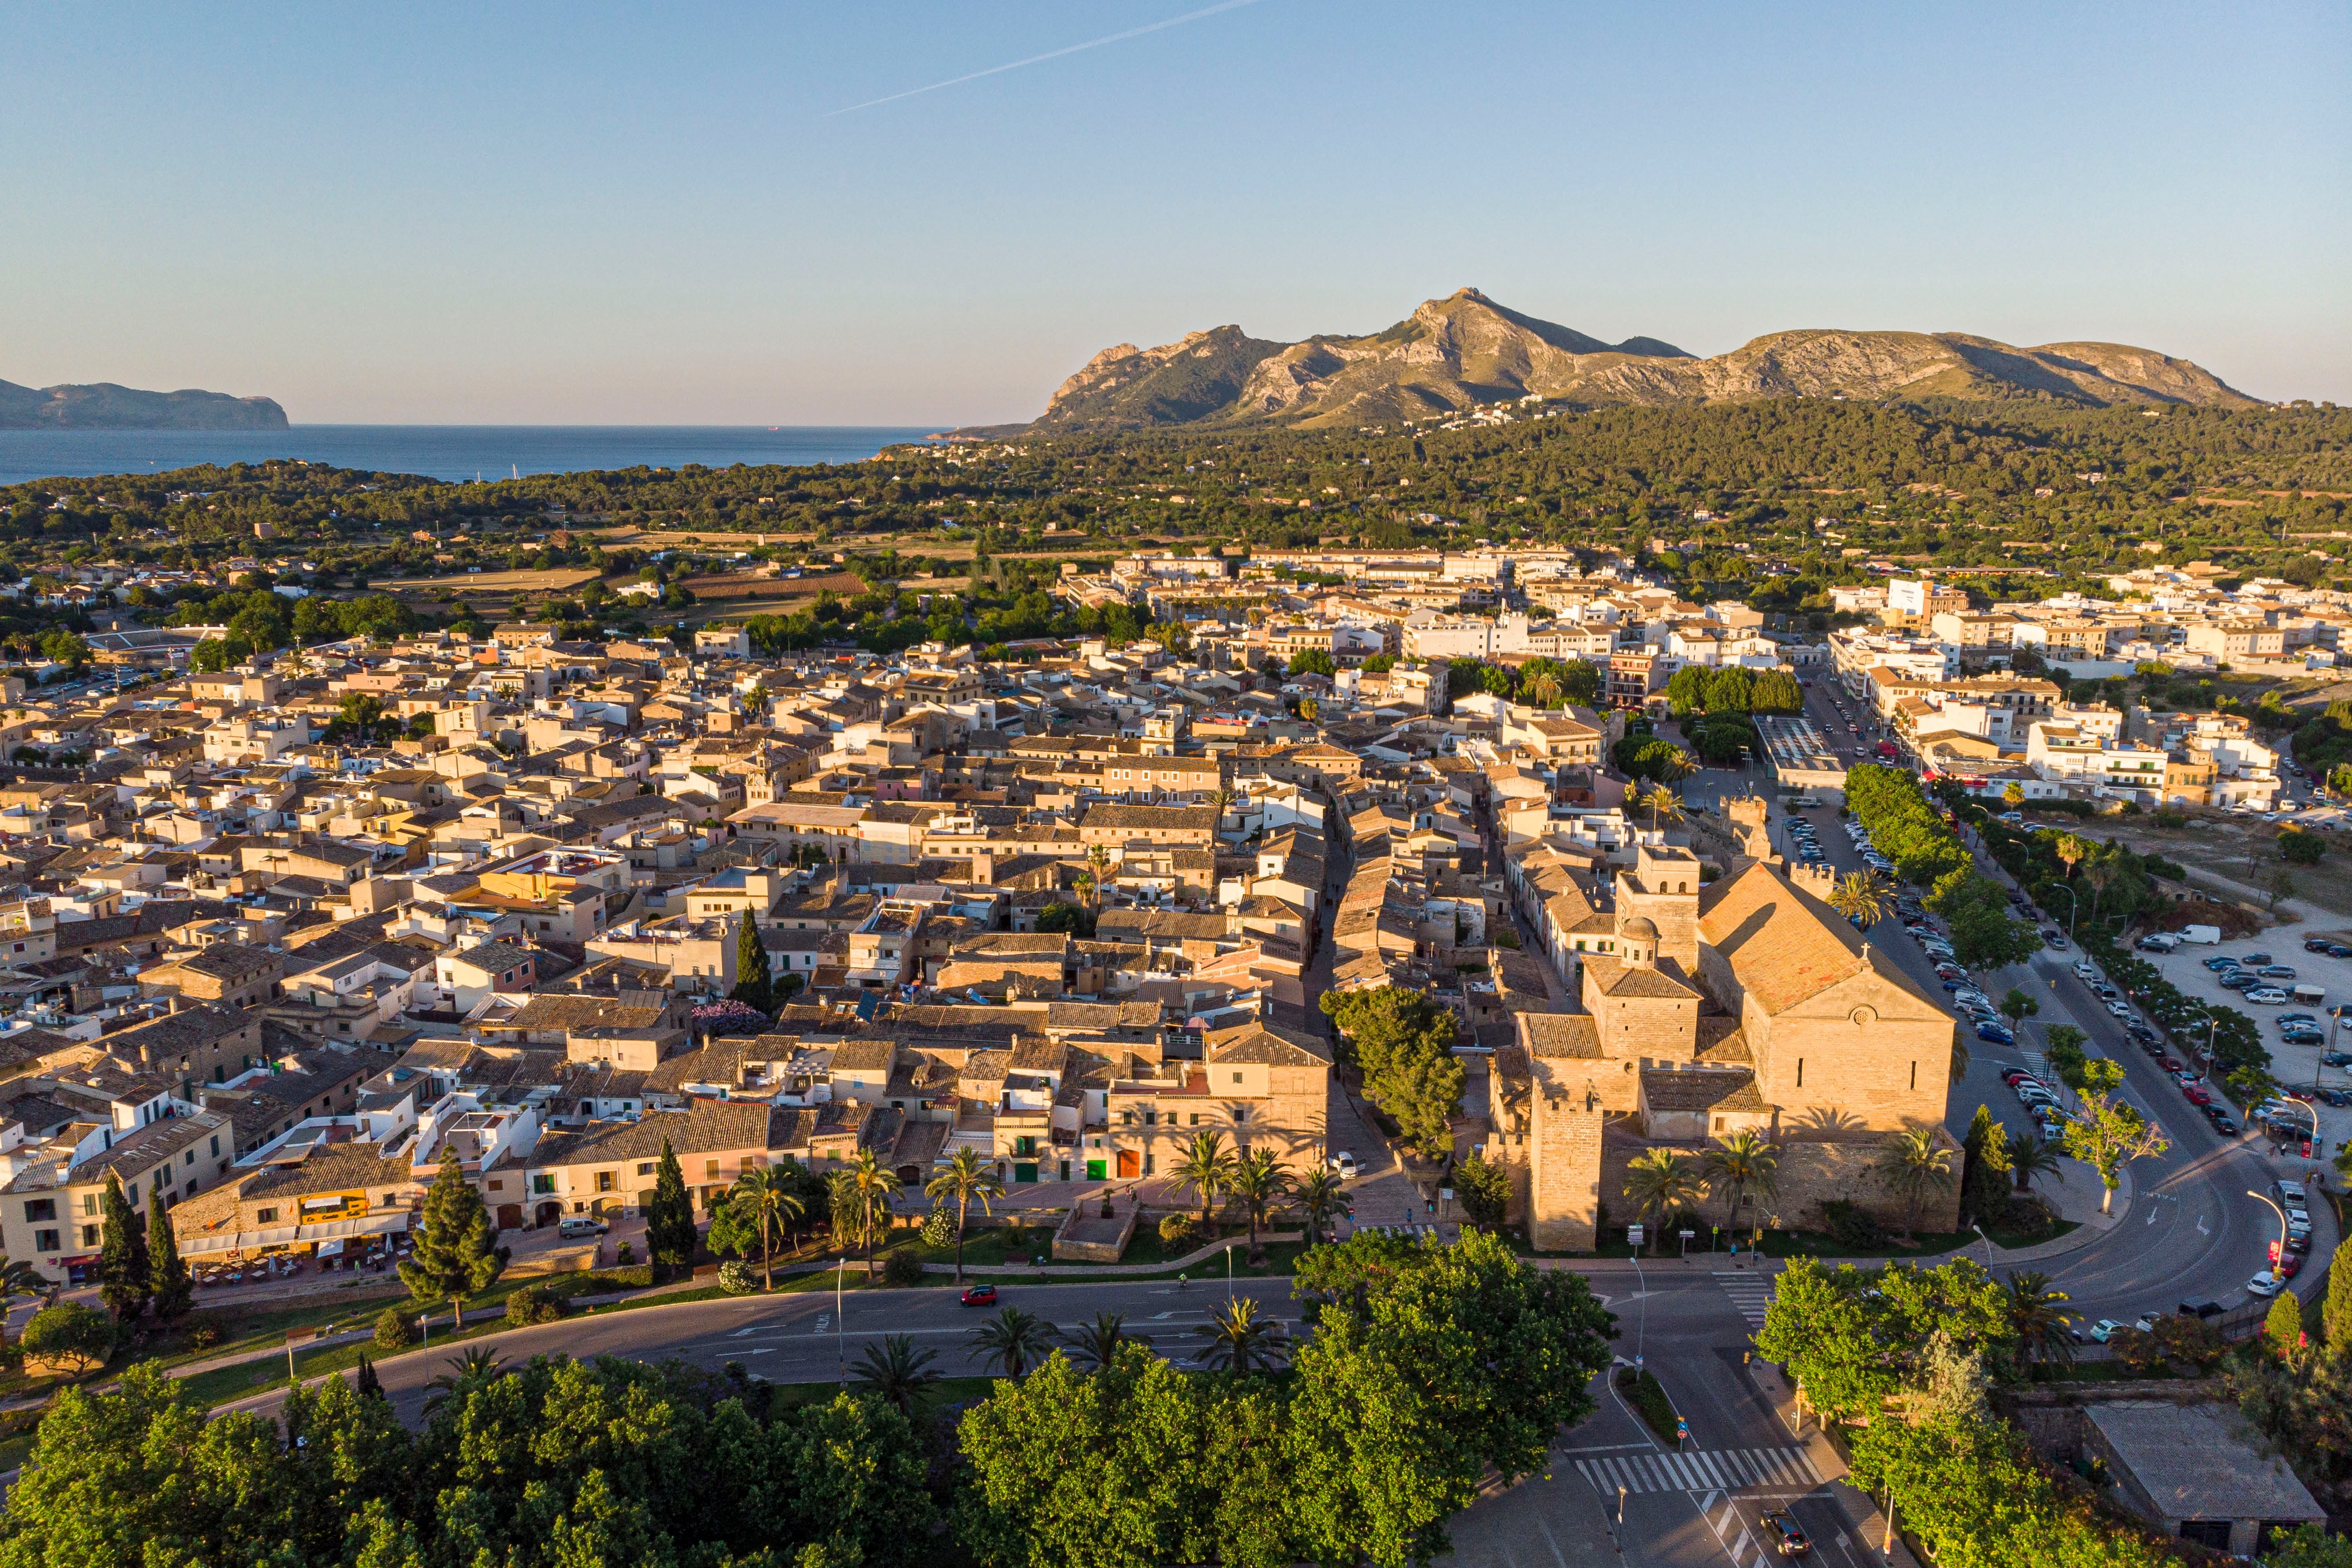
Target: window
[[265, 1217], [1241, 1115], [216, 1142], [711, 1170], [603, 1181], [48, 1240], [189, 1159], [543, 1183], [1800, 1072], [645, 1168], [1196, 1119], [41, 1208]]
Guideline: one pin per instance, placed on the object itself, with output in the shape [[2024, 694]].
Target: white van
[[581, 1226]]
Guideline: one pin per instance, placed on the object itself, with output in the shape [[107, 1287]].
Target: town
[[1392, 898]]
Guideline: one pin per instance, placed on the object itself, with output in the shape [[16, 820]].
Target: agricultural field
[[492, 593]]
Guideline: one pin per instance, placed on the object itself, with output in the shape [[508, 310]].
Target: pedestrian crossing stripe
[[1702, 1470], [1751, 1293]]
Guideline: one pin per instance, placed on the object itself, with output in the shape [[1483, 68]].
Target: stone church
[[1747, 1003]]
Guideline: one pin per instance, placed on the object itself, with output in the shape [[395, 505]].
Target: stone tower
[[1662, 888]]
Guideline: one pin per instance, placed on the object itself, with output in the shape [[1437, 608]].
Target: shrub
[[939, 1228], [394, 1330], [201, 1331], [636, 1277], [1179, 1233], [738, 1278], [1851, 1225], [533, 1304], [2027, 1217], [2138, 1350], [2171, 819], [70, 1337], [2299, 848], [902, 1267], [626, 1254]]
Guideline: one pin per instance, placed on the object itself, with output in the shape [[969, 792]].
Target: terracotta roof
[[1268, 1045], [1561, 1034], [1782, 943], [1614, 978], [1706, 1088]]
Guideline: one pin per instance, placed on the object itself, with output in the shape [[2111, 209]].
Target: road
[[2192, 1235]]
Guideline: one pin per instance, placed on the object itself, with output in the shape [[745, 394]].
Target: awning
[[330, 1249]]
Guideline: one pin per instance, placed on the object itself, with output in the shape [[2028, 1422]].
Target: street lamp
[[1641, 1322], [2073, 907], [2280, 1256]]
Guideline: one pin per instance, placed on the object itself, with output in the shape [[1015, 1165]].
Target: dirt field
[[623, 536], [504, 583]]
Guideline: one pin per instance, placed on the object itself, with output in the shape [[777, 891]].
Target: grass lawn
[[2010, 1240], [1647, 1396]]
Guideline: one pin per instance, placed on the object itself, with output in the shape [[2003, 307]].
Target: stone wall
[[1811, 1172]]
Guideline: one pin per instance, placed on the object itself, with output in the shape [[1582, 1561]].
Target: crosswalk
[[1703, 1470], [1751, 1293]]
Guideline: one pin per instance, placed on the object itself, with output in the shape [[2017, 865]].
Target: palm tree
[[1240, 1342], [1097, 1344], [1541, 691], [2032, 1155], [1257, 1180], [1090, 881], [1677, 765], [2014, 796], [1915, 1165], [17, 1281], [762, 1193], [1324, 1195], [2071, 849], [1663, 803], [2035, 1321], [1660, 1182], [1012, 1339], [966, 1177], [1746, 1163], [478, 1367], [871, 1185], [1862, 897], [1223, 799], [1206, 1167], [898, 1372]]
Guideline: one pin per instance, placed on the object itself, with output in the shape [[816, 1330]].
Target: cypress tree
[[369, 1383], [167, 1274], [669, 1217], [754, 987], [2283, 1326], [2336, 1311], [122, 1272], [456, 1252]]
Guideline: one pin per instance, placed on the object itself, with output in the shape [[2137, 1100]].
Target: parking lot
[[2295, 1065]]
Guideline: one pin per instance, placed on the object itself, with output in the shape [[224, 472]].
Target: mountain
[[1464, 350], [105, 407]]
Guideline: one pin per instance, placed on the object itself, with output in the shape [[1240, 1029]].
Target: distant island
[[102, 405], [1466, 351]]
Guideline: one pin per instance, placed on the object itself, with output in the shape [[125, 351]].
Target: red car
[[2288, 1267], [2196, 1096], [979, 1296], [2173, 1064]]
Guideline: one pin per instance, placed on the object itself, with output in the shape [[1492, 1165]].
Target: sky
[[700, 213]]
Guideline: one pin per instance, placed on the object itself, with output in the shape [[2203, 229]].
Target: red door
[[1130, 1164]]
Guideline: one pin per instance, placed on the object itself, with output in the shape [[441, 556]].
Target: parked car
[[2195, 1095], [2222, 1121], [2086, 969], [2256, 960], [2054, 937], [2217, 964], [2315, 944], [1996, 1034], [2266, 996], [2105, 1329], [1344, 1163], [2263, 1284], [2277, 971]]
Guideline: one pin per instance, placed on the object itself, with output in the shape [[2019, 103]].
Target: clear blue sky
[[575, 212]]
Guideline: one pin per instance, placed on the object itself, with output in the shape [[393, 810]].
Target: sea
[[456, 452]]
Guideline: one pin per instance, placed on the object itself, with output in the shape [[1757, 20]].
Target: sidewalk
[[1864, 1520]]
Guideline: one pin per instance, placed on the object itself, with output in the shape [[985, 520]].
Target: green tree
[[1404, 1042], [670, 1213], [2309, 1546], [1914, 1163], [1322, 1198], [967, 1179], [124, 1275], [896, 1372], [457, 1253], [1984, 1168], [2032, 1155], [1862, 897], [2038, 1321], [764, 1195], [1312, 662], [1239, 1341], [755, 983], [1258, 1179], [1661, 1181], [64, 647], [863, 1192], [1096, 1346], [2282, 1325], [1742, 1166], [70, 1334], [2297, 847], [167, 1276], [1013, 1341], [2109, 1134], [1430, 1368], [1206, 1167], [19, 1281], [1484, 1191], [2335, 1310]]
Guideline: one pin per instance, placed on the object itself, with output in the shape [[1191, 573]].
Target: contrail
[[1053, 55]]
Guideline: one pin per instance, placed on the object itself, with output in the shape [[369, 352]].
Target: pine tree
[[456, 1252], [2283, 1324], [167, 1274], [122, 1270], [2336, 1311], [669, 1216], [754, 985]]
